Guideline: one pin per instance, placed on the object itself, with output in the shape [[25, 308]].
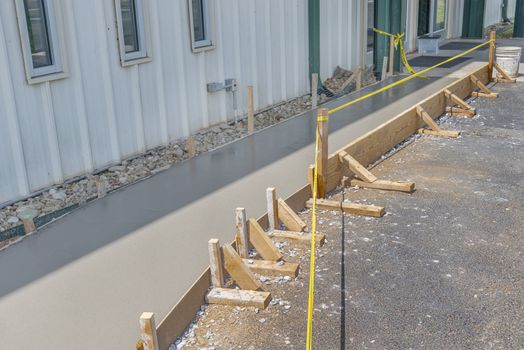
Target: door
[[473, 24]]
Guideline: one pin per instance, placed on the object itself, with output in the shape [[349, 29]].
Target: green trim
[[518, 29], [389, 17], [314, 36]]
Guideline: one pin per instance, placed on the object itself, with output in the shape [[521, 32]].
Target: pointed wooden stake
[[148, 335], [242, 239], [272, 268], [215, 263], [238, 297], [385, 185], [272, 208]]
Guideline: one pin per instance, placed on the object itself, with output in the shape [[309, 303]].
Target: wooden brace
[[505, 76], [484, 90], [456, 111], [434, 128], [458, 100], [350, 208]]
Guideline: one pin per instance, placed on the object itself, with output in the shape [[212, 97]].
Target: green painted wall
[[473, 24], [314, 36], [518, 30], [389, 17]]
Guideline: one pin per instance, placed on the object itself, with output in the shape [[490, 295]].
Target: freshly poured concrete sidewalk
[[83, 281]]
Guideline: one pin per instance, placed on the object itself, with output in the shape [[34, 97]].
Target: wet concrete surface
[[139, 249], [444, 269]]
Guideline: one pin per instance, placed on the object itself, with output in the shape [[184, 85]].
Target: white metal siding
[[341, 36], [103, 113], [512, 6], [492, 12]]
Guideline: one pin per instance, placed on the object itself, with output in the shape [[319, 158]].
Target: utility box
[[428, 44]]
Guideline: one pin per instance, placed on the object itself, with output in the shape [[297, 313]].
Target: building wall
[[342, 35], [512, 5], [492, 12], [103, 113]]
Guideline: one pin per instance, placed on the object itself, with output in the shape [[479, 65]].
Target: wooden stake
[[215, 263], [314, 90], [384, 68], [148, 334], [29, 225], [263, 245], [491, 56], [191, 146], [236, 268], [359, 79], [250, 111], [391, 55], [350, 208], [356, 167], [322, 151], [458, 100], [454, 111], [238, 297], [484, 95], [303, 239], [242, 238], [289, 218], [272, 208]]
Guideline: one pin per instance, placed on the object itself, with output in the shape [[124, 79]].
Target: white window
[[201, 21], [431, 16], [133, 34], [41, 38]]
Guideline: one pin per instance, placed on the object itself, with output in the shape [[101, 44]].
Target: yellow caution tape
[[398, 43], [311, 295]]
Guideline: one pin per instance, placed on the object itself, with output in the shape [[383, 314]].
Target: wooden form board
[[371, 146], [366, 149]]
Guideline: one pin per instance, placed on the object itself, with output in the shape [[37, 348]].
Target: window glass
[[129, 24], [37, 28], [198, 20], [423, 17], [440, 15]]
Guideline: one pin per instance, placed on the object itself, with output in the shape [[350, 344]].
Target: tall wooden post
[[272, 208], [322, 151], [250, 111], [491, 55], [148, 331], [242, 238], [391, 55], [314, 89]]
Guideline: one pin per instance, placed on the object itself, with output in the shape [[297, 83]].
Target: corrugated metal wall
[[341, 35], [492, 12], [512, 5], [103, 113]]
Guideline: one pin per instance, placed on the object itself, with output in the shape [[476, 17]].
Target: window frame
[[208, 6], [432, 18], [55, 37], [144, 53]]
